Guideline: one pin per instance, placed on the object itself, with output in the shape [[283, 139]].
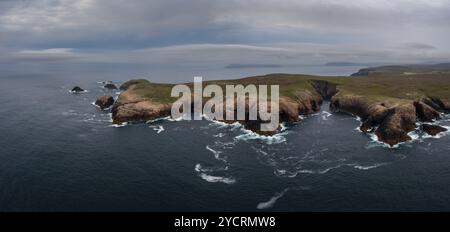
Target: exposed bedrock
[[326, 89], [131, 107], [433, 129], [425, 113], [104, 102], [442, 105], [390, 121], [398, 122]]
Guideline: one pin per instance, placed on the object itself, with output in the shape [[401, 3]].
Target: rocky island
[[390, 104]]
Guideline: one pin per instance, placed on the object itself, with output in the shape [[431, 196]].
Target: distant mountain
[[344, 64], [405, 69], [253, 66]]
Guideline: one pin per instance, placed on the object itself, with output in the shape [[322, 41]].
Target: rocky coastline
[[390, 120]]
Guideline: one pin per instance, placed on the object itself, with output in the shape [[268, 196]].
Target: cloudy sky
[[208, 33]]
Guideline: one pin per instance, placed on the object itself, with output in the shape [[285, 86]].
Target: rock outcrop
[[432, 129], [104, 102], [326, 89], [441, 105], [398, 122], [131, 107], [390, 121], [110, 86], [77, 89], [425, 112]]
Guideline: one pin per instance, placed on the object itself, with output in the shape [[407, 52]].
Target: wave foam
[[158, 129], [271, 202], [325, 115], [120, 125], [368, 167], [212, 179], [250, 135]]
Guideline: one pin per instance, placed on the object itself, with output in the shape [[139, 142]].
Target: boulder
[[432, 129], [104, 102]]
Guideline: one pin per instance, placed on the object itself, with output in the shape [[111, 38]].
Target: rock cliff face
[[391, 122], [131, 107], [433, 129], [326, 89]]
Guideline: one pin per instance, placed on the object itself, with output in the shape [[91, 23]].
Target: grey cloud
[[423, 46], [207, 32]]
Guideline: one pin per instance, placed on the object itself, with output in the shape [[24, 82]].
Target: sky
[[207, 33]]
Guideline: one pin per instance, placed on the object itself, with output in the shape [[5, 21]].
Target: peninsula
[[389, 103]]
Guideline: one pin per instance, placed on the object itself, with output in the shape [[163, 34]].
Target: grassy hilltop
[[395, 87]]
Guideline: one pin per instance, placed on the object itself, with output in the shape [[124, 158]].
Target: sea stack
[[77, 89], [433, 129], [110, 86], [104, 102]]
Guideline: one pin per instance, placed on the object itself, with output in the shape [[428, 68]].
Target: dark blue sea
[[60, 153]]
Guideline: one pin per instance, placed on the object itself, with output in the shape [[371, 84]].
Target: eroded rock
[[425, 112], [104, 102], [397, 124], [432, 129]]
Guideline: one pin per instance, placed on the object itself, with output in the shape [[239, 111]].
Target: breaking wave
[[250, 135]]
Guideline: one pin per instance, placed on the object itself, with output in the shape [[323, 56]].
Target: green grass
[[393, 87]]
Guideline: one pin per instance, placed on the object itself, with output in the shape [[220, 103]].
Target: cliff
[[388, 105]]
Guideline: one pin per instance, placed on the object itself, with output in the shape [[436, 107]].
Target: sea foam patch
[[158, 128], [212, 178], [250, 135], [271, 202]]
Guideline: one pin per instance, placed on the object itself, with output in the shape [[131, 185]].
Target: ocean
[[58, 152]]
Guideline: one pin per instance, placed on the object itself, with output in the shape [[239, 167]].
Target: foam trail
[[158, 129], [212, 179], [217, 179], [120, 125], [220, 135], [216, 154], [361, 167], [325, 115], [158, 119], [199, 168], [271, 202]]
